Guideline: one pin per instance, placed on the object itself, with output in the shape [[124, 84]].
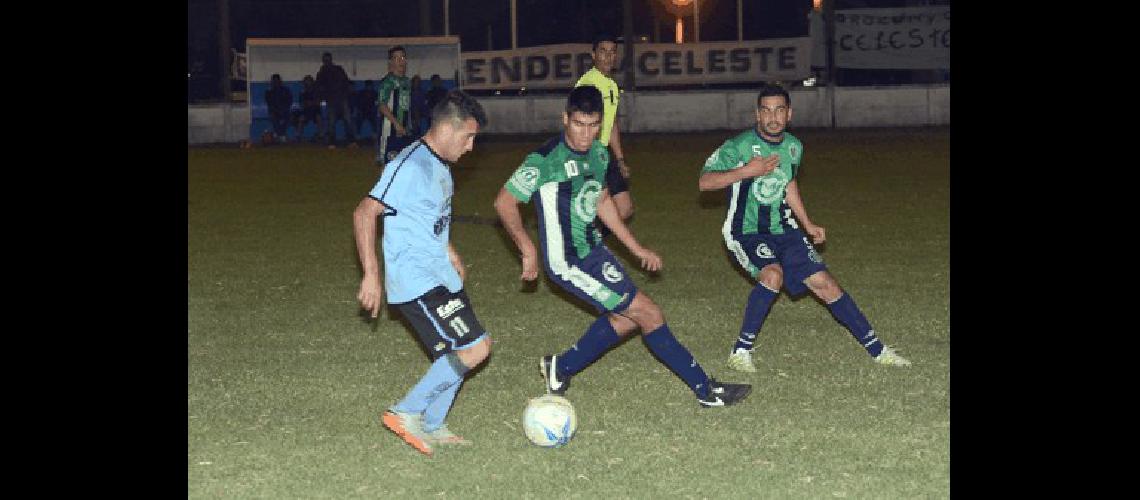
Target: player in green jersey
[[617, 173], [759, 167], [565, 180], [394, 100]]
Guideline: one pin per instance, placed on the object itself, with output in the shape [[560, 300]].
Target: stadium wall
[[661, 111]]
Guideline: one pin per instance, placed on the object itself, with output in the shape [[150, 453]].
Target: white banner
[[559, 66], [895, 38]]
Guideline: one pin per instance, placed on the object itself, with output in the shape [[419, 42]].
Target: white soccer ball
[[549, 421]]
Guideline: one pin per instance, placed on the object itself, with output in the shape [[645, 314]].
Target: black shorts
[[443, 321], [616, 182]]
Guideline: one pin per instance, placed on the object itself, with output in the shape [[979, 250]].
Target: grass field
[[286, 379]]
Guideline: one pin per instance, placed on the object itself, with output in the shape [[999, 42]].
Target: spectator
[[334, 89], [310, 108], [278, 99], [366, 107]]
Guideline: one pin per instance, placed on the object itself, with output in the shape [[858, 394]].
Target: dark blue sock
[[662, 343], [597, 339], [847, 313], [759, 302]]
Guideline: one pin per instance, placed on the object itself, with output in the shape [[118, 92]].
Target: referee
[[605, 52]]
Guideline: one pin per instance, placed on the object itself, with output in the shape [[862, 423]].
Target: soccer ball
[[549, 421]]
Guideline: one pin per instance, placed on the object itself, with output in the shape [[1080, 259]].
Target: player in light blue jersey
[[423, 272]]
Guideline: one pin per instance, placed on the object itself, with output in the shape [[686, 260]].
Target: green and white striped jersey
[[756, 205], [568, 184]]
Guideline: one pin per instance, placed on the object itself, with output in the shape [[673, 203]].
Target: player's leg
[[601, 281], [670, 352], [444, 323], [382, 139], [804, 270], [769, 281], [848, 314], [755, 255], [619, 192]]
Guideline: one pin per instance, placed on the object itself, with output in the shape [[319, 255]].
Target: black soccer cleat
[[724, 394], [554, 384]]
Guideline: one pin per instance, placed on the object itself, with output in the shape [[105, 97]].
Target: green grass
[[286, 379]]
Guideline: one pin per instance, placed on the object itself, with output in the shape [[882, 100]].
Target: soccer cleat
[[741, 361], [445, 437], [889, 357], [410, 428], [554, 385], [724, 394]]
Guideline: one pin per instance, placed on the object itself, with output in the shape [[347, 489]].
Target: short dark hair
[[275, 76], [585, 99], [326, 54], [458, 106], [394, 49], [603, 37], [769, 90]]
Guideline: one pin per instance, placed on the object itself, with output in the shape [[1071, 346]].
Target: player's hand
[[530, 266], [818, 233], [371, 295], [649, 259], [760, 166], [624, 169]]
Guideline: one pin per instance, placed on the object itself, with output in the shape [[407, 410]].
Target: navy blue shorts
[[599, 279], [792, 250], [443, 321], [616, 182]]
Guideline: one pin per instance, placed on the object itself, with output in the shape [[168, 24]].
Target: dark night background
[[477, 22]]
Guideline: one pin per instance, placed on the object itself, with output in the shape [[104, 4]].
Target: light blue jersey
[[416, 190]]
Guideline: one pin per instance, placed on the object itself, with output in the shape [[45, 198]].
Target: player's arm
[[387, 113], [507, 206], [756, 167], [364, 224], [796, 203], [456, 262], [607, 211]]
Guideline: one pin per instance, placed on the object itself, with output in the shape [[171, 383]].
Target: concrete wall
[[213, 123], [657, 111]]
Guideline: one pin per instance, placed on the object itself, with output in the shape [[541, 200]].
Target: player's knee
[[824, 286], [772, 276], [646, 313], [476, 354], [622, 325]]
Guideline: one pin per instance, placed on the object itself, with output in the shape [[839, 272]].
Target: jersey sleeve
[[397, 184], [524, 182], [725, 158]]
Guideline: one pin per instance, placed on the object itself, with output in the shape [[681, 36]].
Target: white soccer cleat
[[889, 357], [741, 360]]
